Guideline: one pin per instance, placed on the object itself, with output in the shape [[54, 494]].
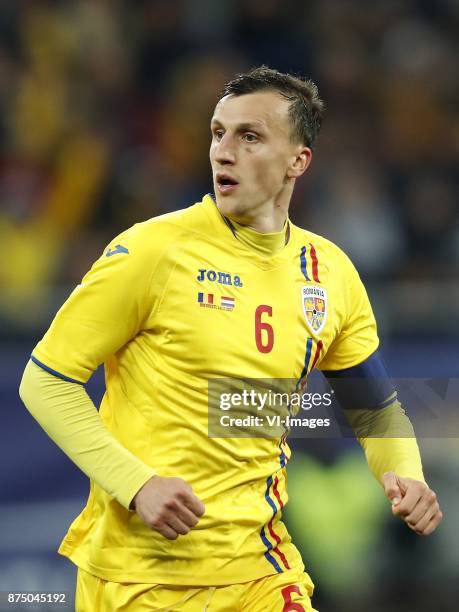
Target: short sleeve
[[357, 338], [108, 308]]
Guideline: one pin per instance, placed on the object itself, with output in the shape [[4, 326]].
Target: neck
[[264, 224], [265, 243], [266, 217]]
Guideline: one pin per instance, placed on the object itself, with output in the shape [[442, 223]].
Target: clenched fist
[[168, 505], [413, 502]]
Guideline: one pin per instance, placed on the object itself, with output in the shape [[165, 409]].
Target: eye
[[218, 134], [250, 137]]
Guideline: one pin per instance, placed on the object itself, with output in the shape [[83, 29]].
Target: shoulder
[[156, 234]]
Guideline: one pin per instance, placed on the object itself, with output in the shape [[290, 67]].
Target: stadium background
[[104, 122]]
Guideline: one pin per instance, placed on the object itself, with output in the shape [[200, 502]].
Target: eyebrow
[[247, 126]]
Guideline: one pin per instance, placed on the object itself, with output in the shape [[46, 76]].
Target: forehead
[[268, 109]]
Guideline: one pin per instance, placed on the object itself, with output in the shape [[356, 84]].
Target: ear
[[299, 162]]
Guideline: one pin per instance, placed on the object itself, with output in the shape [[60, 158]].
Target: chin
[[229, 205]]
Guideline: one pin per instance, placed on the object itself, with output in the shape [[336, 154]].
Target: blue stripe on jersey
[[54, 372], [303, 263], [268, 556], [269, 482], [282, 457], [307, 357], [265, 540]]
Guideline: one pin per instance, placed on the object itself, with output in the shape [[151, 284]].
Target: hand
[[413, 502], [168, 505]]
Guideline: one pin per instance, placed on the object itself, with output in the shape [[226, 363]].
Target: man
[[178, 520]]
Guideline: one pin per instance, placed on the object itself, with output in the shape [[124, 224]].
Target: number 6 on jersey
[[260, 326]]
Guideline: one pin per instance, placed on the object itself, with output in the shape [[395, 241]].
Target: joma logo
[[224, 278]]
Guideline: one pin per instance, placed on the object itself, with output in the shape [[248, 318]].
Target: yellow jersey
[[173, 303]]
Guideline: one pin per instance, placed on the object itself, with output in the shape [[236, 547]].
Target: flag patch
[[206, 299], [209, 300], [227, 302]]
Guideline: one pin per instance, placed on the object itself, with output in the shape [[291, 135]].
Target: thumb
[[392, 488]]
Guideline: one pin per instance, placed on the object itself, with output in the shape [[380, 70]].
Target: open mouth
[[226, 183]]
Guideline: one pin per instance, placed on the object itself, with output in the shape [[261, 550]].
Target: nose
[[224, 151]]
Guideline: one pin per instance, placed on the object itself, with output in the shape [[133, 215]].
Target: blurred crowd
[[105, 109]]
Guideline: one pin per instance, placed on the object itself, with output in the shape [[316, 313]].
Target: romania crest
[[314, 300]]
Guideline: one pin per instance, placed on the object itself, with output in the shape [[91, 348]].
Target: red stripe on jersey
[[317, 355], [277, 540], [210, 298], [276, 492], [315, 273]]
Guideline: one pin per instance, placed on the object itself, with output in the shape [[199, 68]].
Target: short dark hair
[[306, 108]]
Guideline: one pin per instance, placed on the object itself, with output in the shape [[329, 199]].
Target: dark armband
[[369, 400], [366, 386]]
